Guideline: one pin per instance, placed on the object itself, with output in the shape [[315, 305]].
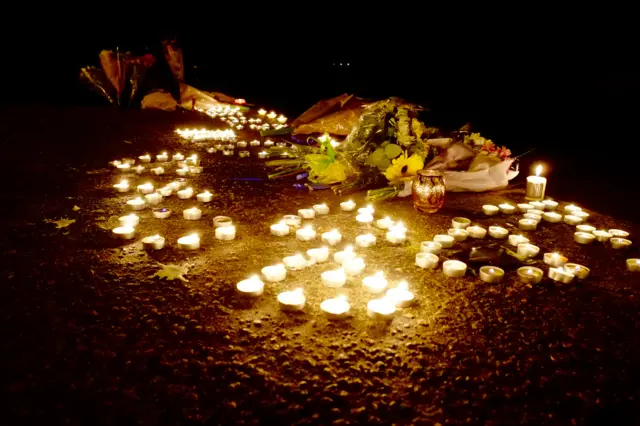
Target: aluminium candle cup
[[227, 152], [137, 204], [620, 243], [530, 275], [552, 217], [583, 237], [396, 237], [476, 232], [292, 220], [244, 154], [305, 234], [182, 172], [192, 214], [458, 234], [254, 143], [335, 309], [454, 268], [222, 221], [560, 275], [384, 223], [226, 233], [153, 199], [633, 265], [618, 233], [347, 206], [364, 218], [307, 213], [139, 169], [460, 223], [332, 237], [507, 208], [430, 247], [144, 158], [354, 267], [274, 273], [375, 284], [189, 242], [585, 228], [334, 279], [157, 171], [427, 260], [204, 197], [291, 301], [321, 209], [401, 297], [532, 216], [125, 232], [161, 213], [122, 187], [527, 224], [602, 236], [571, 209], [573, 220], [295, 262], [514, 240], [230, 146], [319, 255], [251, 287], [581, 272], [524, 207], [498, 232], [196, 170], [554, 260], [344, 255], [185, 194], [241, 144], [132, 220], [279, 229], [365, 240], [145, 188], [381, 309], [490, 210], [446, 241], [537, 205], [178, 157], [528, 250], [582, 214], [211, 150], [550, 205], [154, 242], [162, 158], [491, 274]]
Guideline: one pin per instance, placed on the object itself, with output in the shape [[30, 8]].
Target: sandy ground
[[91, 337]]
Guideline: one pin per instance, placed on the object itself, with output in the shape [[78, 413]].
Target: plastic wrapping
[[98, 81], [173, 56], [203, 100], [159, 100], [137, 70], [321, 108], [339, 123], [114, 66], [489, 179]]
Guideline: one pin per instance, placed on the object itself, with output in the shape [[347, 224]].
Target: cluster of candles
[[207, 135]]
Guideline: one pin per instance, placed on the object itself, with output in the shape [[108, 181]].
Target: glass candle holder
[[428, 191]]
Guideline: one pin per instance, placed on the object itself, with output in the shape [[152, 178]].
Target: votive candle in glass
[[536, 185]]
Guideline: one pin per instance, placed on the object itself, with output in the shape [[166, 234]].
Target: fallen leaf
[[112, 222], [76, 208], [129, 142], [62, 223], [172, 272]]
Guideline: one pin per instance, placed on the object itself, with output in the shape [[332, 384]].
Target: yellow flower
[[404, 167]]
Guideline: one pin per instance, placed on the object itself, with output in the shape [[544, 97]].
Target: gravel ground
[[91, 337]]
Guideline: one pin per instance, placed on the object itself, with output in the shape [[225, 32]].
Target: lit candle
[[584, 237], [124, 167], [335, 278], [153, 242], [498, 232], [292, 301], [366, 210], [445, 241], [193, 160], [618, 233], [528, 250], [183, 171], [426, 260], [550, 205], [524, 207], [620, 243], [196, 170], [157, 171], [130, 220], [552, 217], [342, 256], [185, 194], [204, 197], [490, 209], [295, 262], [396, 233], [400, 295], [507, 208], [633, 265], [335, 309], [292, 220], [514, 240], [263, 154], [161, 213], [241, 144], [532, 216], [254, 142], [581, 214], [385, 223], [227, 152], [282, 119], [279, 229], [381, 309], [460, 223], [554, 259], [365, 240], [602, 236], [530, 275], [536, 185], [306, 234], [431, 246], [244, 154], [222, 221], [307, 213], [527, 224], [193, 213], [536, 212], [571, 209], [561, 275], [580, 272], [226, 233], [125, 232], [178, 184], [318, 255], [136, 203], [347, 206], [573, 220], [145, 188], [153, 199], [274, 273], [375, 283], [123, 186], [491, 274], [458, 234], [139, 169], [321, 209], [585, 228], [454, 268], [189, 242], [251, 287], [476, 232], [178, 157], [262, 112], [162, 157], [268, 143], [354, 267], [272, 115], [332, 237]]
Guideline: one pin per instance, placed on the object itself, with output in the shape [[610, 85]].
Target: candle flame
[[538, 170], [403, 285]]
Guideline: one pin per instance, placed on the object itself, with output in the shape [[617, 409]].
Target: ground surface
[[90, 337]]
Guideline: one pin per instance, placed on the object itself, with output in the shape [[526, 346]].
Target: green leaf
[[392, 150], [384, 164], [376, 157]]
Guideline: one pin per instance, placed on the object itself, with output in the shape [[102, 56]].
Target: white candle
[[507, 208], [446, 241], [193, 160], [268, 143], [306, 234], [375, 283], [122, 186], [292, 220], [153, 199], [561, 275], [282, 119], [183, 171], [618, 233], [532, 216], [227, 152], [552, 217], [385, 223], [226, 233], [178, 157], [262, 112], [536, 185], [536, 212], [189, 242], [295, 262], [395, 236], [633, 265], [178, 184], [153, 242], [530, 275], [344, 255], [254, 142], [332, 237], [321, 209], [554, 259], [145, 188], [514, 240], [573, 220], [130, 220], [279, 229], [524, 207], [139, 169], [241, 144], [582, 214], [307, 213], [136, 203], [292, 301], [366, 210], [581, 272], [204, 197], [335, 278], [498, 232], [157, 171], [527, 224], [550, 205], [365, 240], [460, 223], [490, 209], [222, 221], [161, 213], [583, 237], [585, 228], [491, 274], [272, 115], [431, 247], [162, 157], [400, 295], [335, 309], [454, 268], [458, 234], [125, 232], [125, 167], [193, 213], [381, 309], [318, 255], [347, 206], [196, 170], [364, 218], [251, 287], [427, 260], [263, 154], [602, 236], [570, 209], [274, 273], [476, 232], [620, 243], [528, 250], [244, 154], [185, 194], [354, 267]]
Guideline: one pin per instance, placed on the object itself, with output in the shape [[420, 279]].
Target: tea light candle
[[178, 157], [458, 234], [364, 218], [602, 236], [292, 220], [279, 229], [454, 268], [153, 199], [561, 275], [157, 171], [427, 260], [335, 309], [241, 144], [580, 272], [332, 237], [514, 240], [536, 212], [274, 273], [385, 223], [295, 262], [581, 214], [161, 158], [397, 234], [251, 287], [570, 209], [244, 154], [318, 255], [633, 265], [532, 216], [196, 170], [550, 205], [272, 115], [193, 213], [528, 250], [366, 210], [222, 221], [445, 241], [125, 232], [490, 209], [476, 232], [375, 283], [189, 242], [524, 207], [212, 150], [139, 169], [183, 171], [620, 243], [365, 240], [347, 206], [430, 247], [530, 275], [585, 228], [123, 186], [618, 233], [124, 167], [552, 217], [499, 232], [491, 274], [262, 112], [507, 208], [204, 197], [335, 278], [263, 154], [583, 237], [136, 203], [161, 213], [354, 267], [381, 309], [400, 295], [268, 143], [321, 209], [193, 160], [153, 242], [460, 223], [178, 184], [573, 220], [554, 259], [185, 194], [226, 233], [538, 205], [131, 220], [306, 234], [145, 188], [536, 185], [342, 256], [254, 142], [307, 213], [292, 301], [527, 224]]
